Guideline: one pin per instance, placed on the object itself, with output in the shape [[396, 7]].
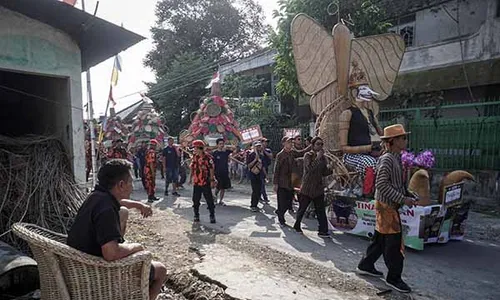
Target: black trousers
[[285, 198], [256, 183], [206, 191], [388, 245], [319, 205]]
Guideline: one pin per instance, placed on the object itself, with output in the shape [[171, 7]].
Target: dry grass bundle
[[36, 185]]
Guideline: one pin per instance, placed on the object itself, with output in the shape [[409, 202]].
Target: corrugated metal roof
[[98, 39]]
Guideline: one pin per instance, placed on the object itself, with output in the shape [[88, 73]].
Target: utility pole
[[91, 116]]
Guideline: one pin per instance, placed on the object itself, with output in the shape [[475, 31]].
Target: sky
[[136, 16]]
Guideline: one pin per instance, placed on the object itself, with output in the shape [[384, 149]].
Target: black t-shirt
[[97, 223], [171, 157], [221, 161]]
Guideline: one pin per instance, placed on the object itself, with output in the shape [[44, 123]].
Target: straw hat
[[394, 131]]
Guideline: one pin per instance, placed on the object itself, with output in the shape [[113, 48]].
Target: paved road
[[457, 270]]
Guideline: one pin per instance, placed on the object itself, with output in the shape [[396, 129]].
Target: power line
[[174, 80], [39, 97], [197, 70]]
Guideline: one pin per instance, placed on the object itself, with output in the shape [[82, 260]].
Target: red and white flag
[[215, 79], [70, 2]]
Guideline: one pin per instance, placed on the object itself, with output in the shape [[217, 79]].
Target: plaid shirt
[[390, 186], [200, 169], [314, 171]]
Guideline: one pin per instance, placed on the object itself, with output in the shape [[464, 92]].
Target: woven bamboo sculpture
[[323, 63]]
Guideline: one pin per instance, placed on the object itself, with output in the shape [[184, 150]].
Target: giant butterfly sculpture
[[323, 63]]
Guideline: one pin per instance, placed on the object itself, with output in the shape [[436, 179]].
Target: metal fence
[[462, 136]]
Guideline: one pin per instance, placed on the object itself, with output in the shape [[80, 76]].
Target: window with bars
[[405, 26]]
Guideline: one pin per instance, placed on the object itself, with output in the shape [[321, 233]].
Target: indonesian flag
[[70, 2], [215, 79]]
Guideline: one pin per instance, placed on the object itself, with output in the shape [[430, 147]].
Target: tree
[[251, 108], [363, 17], [214, 29], [177, 96], [190, 38]]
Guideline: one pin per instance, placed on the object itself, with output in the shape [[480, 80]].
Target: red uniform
[[150, 172]]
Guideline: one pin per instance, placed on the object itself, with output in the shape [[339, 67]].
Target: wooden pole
[[91, 115]]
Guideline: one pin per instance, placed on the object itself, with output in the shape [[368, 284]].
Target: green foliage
[[251, 108], [244, 86], [214, 29], [177, 98], [190, 37], [363, 17]]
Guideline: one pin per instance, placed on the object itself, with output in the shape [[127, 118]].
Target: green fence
[[470, 140]]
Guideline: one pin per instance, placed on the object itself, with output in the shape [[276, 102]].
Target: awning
[[98, 39]]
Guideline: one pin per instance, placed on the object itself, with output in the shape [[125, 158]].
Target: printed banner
[[292, 132], [421, 224], [251, 134], [453, 194]]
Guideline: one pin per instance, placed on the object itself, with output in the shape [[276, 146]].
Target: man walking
[[221, 161], [150, 171], [312, 189], [170, 159], [203, 178], [255, 171], [282, 180], [266, 162], [390, 195]]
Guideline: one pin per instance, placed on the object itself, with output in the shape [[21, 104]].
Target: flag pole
[[91, 116]]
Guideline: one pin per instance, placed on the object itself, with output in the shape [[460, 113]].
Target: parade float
[[213, 120], [328, 67], [114, 129], [147, 125]]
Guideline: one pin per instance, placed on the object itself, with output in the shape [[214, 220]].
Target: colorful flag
[[117, 68], [215, 79]]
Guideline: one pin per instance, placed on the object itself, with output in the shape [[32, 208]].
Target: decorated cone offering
[[147, 125], [213, 120], [115, 129]]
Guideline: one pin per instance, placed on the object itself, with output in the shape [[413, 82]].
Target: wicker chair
[[69, 274]]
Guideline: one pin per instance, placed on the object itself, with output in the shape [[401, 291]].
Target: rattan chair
[[69, 274]]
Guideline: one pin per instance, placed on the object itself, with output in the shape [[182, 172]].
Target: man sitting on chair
[[359, 130], [101, 221]]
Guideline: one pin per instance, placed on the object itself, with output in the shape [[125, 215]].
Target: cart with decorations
[[324, 63]]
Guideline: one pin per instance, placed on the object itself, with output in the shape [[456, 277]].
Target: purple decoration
[[408, 159], [425, 160]]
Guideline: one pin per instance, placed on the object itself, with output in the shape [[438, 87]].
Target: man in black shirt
[[101, 220], [221, 163]]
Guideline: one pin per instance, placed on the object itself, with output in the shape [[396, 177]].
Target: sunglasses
[[319, 144], [201, 148]]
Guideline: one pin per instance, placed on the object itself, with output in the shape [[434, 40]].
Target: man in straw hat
[[390, 195], [359, 131]]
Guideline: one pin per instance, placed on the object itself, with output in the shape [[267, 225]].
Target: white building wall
[[434, 25], [480, 46]]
